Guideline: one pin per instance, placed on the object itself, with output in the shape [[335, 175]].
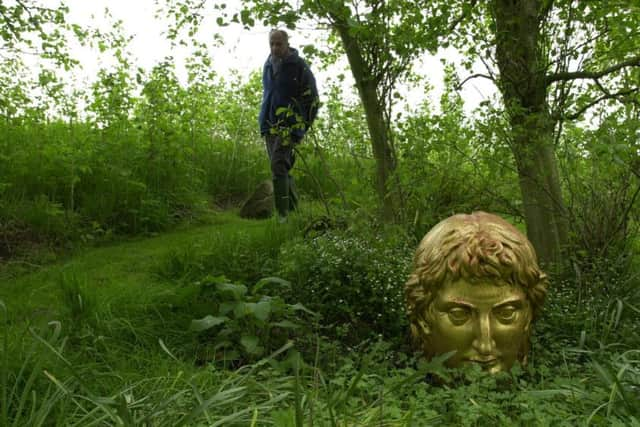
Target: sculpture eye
[[506, 314], [458, 315]]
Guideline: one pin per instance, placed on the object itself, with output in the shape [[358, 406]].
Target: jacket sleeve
[[264, 108]]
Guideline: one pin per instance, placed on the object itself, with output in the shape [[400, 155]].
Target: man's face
[[279, 45], [485, 322]]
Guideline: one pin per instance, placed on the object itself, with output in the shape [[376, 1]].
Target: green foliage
[[28, 26], [42, 218], [128, 354], [603, 192], [36, 396], [245, 256], [150, 151], [450, 166], [247, 324], [354, 280], [78, 298], [136, 165]]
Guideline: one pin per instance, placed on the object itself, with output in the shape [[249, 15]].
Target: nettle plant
[[246, 324]]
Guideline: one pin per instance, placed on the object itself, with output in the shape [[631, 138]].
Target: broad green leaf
[[270, 280], [300, 307], [250, 344], [207, 322], [285, 324], [260, 310], [227, 307], [234, 291], [240, 310]]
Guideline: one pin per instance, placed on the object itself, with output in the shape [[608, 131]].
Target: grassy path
[[125, 269]]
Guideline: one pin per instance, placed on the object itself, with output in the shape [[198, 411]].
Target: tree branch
[[604, 97], [575, 75], [473, 76]]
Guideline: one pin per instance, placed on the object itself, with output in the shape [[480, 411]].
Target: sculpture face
[[486, 323], [475, 289]]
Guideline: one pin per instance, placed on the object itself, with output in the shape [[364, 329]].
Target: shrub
[[354, 281], [601, 228], [247, 324]]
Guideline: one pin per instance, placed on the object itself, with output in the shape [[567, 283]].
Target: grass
[[111, 300], [102, 338]]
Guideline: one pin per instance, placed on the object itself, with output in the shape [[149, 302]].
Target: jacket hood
[[293, 56]]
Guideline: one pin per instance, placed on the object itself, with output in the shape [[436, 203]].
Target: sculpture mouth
[[485, 362]]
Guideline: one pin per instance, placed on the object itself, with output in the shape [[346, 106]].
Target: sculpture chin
[[492, 366]]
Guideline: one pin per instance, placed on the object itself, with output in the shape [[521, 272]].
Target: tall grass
[[26, 398]]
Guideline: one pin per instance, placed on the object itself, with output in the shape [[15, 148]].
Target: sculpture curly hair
[[472, 247]]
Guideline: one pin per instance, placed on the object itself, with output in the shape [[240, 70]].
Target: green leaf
[[260, 310], [230, 290], [240, 310], [283, 110], [250, 344], [227, 307], [285, 324], [270, 280], [300, 307], [245, 17], [549, 393], [207, 322]]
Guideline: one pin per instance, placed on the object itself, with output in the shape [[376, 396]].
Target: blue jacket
[[291, 90]]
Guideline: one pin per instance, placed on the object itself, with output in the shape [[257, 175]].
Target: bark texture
[[376, 122], [524, 91]]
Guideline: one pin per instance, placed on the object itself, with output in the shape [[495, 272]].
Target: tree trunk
[[374, 112], [524, 92], [544, 209]]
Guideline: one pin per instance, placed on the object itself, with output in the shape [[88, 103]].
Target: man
[[475, 290], [289, 107]]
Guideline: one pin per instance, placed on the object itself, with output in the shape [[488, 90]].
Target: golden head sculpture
[[475, 289]]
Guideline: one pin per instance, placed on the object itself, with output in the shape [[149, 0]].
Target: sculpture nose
[[483, 342]]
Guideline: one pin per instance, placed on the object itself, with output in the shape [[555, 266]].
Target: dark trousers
[[281, 155]]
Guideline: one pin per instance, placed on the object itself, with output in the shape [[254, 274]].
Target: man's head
[[475, 289], [279, 43]]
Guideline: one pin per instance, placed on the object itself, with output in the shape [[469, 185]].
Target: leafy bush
[[449, 165], [247, 324], [354, 281], [28, 226], [134, 164]]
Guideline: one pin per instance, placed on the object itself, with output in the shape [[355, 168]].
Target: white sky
[[243, 50], [149, 45]]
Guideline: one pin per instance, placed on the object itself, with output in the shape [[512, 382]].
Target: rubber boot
[[281, 197], [293, 195]]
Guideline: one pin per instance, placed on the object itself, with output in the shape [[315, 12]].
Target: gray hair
[[278, 31]]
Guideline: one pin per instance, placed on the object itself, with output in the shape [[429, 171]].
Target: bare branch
[[474, 76], [594, 75]]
